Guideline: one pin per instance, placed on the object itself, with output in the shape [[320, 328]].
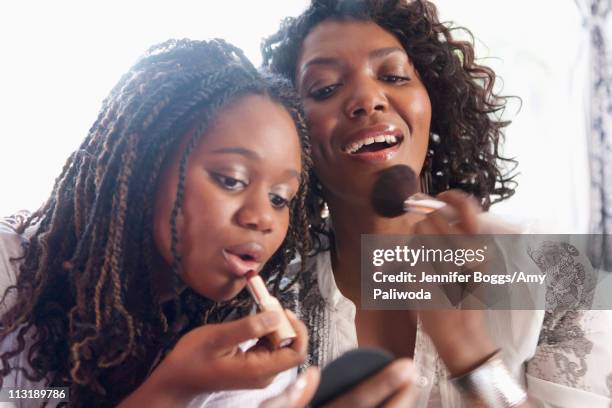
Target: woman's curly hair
[[466, 126], [86, 313]]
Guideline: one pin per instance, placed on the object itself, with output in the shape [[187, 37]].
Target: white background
[[61, 58]]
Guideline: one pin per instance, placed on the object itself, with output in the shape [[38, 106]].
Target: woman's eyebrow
[[321, 61], [378, 53], [249, 154], [383, 52]]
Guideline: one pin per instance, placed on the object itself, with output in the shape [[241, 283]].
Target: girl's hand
[[208, 359], [394, 386], [460, 336], [298, 394]]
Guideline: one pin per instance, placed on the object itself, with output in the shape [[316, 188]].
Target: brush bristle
[[393, 187]]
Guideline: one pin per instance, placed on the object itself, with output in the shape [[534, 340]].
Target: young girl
[[194, 173]]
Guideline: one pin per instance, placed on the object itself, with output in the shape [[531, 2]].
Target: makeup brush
[[395, 192], [284, 334]]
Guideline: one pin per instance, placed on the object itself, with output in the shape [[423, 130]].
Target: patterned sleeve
[[572, 365], [11, 247]]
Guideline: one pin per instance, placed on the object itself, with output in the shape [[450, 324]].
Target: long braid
[[86, 312]]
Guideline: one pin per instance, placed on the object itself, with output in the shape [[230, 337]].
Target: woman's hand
[[208, 359], [460, 336]]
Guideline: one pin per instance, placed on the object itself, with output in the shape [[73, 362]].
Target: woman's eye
[[324, 92], [396, 79], [229, 183], [278, 201]]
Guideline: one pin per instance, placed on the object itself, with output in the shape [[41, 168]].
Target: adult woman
[[149, 232], [390, 70]]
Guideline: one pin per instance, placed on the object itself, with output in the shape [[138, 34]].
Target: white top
[[10, 247], [567, 363]]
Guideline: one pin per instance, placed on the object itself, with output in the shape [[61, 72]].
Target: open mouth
[[373, 144], [240, 264], [246, 257]]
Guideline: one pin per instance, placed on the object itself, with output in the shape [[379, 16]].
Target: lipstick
[[284, 334]]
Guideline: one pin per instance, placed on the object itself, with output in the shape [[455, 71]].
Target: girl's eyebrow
[[249, 154], [293, 173], [252, 155]]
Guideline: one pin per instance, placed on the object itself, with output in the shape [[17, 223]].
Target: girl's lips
[[239, 266]]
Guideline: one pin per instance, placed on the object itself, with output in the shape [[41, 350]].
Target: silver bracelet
[[491, 385]]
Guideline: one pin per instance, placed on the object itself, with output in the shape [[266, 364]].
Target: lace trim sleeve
[[574, 344]]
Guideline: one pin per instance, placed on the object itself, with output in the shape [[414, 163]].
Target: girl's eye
[[324, 92], [395, 79], [278, 202], [229, 183]]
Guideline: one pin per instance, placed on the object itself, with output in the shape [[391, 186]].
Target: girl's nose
[[256, 214]]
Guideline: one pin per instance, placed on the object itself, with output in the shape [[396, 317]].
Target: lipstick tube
[[284, 334]]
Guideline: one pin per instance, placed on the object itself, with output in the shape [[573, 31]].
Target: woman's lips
[[356, 145], [377, 156]]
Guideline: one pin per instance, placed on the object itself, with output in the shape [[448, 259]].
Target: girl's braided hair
[[84, 296]]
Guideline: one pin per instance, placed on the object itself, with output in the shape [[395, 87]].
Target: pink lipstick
[[284, 334]]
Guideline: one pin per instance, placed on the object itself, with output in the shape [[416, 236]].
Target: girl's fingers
[[383, 385], [219, 338], [298, 394], [268, 363], [300, 344], [404, 398]]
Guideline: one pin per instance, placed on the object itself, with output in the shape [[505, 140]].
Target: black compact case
[[347, 371]]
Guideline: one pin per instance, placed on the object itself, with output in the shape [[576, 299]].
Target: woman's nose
[[256, 214], [367, 98]]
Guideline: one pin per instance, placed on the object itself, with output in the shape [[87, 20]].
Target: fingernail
[[296, 389], [280, 401], [405, 372], [270, 319], [289, 396]]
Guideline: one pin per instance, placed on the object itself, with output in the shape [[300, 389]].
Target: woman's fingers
[[298, 394], [466, 206], [384, 385]]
